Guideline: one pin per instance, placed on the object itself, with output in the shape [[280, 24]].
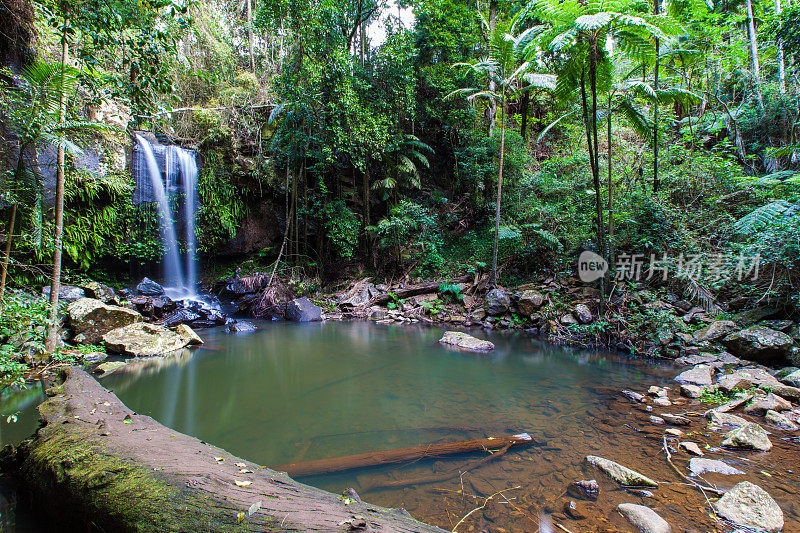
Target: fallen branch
[[401, 455], [413, 290], [436, 478], [697, 485], [482, 506]]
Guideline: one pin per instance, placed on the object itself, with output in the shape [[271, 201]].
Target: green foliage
[[410, 233], [711, 396], [97, 206], [222, 201], [451, 292], [123, 45], [23, 321], [342, 226]]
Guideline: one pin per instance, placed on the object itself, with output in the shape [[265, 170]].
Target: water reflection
[[322, 390]]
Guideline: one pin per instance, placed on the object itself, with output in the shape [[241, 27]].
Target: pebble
[[586, 489], [691, 447], [699, 467], [676, 420], [635, 396], [643, 518]]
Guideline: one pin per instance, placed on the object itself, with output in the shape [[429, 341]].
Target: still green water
[[310, 391], [294, 392]]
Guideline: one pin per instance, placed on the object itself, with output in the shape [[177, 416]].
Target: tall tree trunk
[[7, 251], [524, 105], [366, 197], [492, 84], [610, 188], [55, 282], [656, 178], [493, 279], [601, 243], [362, 52], [10, 237], [751, 35], [780, 59], [250, 38]]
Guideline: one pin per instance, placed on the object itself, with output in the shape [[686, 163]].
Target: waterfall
[[172, 265], [189, 172]]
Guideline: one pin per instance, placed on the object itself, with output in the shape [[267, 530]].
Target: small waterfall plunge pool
[[296, 392]]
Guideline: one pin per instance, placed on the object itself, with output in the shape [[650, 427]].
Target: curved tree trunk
[[98, 466]]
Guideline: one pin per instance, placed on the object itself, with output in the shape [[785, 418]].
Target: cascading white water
[[189, 173], [173, 273]]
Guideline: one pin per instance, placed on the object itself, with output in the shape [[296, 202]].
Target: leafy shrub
[[342, 226], [410, 233], [23, 323], [451, 291]]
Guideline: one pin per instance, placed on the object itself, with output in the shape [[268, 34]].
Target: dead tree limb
[[400, 455]]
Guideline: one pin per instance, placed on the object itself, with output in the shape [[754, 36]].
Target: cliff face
[[17, 34]]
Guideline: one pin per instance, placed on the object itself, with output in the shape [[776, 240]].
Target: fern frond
[[777, 212]]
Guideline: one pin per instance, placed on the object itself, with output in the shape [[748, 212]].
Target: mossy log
[[95, 465]]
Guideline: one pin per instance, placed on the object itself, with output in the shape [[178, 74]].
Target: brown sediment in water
[[619, 430], [570, 401]]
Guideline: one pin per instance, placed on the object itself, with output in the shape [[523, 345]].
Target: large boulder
[[750, 506], [101, 292], [153, 307], [359, 295], [466, 342], [770, 402], [750, 436], [700, 375], [700, 465], [66, 293], [302, 310], [725, 419], [90, 319], [715, 330], [758, 343], [496, 302], [643, 518], [242, 326], [792, 378], [188, 334], [781, 421], [144, 340], [148, 287], [529, 302]]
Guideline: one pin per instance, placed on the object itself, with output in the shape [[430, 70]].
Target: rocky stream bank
[[734, 399]]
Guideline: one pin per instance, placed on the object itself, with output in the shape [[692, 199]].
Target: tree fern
[[777, 212]]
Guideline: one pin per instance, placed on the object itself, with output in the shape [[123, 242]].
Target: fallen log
[[433, 478], [96, 465], [414, 290], [400, 455]]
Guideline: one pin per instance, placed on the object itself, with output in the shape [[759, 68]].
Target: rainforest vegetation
[[404, 140]]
